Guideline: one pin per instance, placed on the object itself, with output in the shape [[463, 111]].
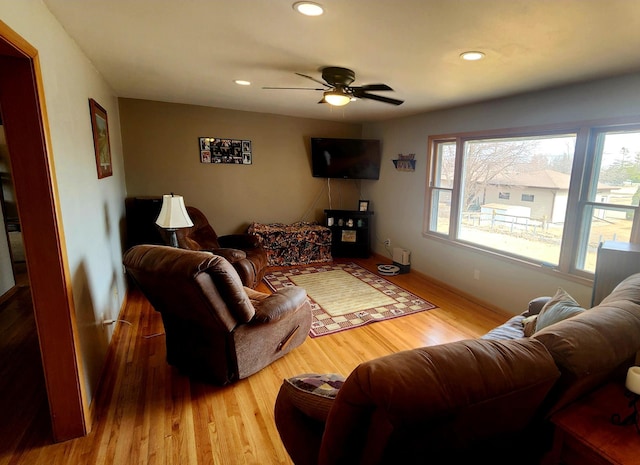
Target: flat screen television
[[345, 158]]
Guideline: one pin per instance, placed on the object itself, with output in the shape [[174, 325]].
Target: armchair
[[216, 329], [243, 251]]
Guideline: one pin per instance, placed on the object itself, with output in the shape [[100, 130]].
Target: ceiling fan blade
[[337, 80], [315, 80], [373, 87], [379, 98], [293, 88]]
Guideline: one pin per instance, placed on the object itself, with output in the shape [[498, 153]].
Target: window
[[443, 170], [609, 206], [571, 189]]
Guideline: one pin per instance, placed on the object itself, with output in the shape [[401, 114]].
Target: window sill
[[550, 270]]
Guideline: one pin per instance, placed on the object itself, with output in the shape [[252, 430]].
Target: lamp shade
[[173, 213]]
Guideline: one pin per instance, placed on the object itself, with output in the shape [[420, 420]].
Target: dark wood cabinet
[[616, 261], [350, 232], [142, 213]]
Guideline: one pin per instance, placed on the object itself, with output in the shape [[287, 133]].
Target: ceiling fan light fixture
[[308, 8], [472, 55], [336, 98]]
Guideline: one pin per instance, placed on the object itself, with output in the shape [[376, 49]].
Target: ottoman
[[299, 243]]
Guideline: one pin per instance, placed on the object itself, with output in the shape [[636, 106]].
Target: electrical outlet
[[476, 274], [387, 242]]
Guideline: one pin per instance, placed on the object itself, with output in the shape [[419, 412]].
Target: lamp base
[[632, 418], [173, 238]]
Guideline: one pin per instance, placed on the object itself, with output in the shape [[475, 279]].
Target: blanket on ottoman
[[299, 243]]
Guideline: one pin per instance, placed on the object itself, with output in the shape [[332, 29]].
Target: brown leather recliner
[[243, 251], [216, 329]]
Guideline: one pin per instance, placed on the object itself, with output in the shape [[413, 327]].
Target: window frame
[[585, 151]]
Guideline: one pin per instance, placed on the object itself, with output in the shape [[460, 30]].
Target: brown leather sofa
[[484, 400], [243, 251], [216, 330]]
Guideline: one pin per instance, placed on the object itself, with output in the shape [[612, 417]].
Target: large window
[[547, 197]]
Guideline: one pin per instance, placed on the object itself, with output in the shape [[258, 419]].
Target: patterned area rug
[[345, 296]]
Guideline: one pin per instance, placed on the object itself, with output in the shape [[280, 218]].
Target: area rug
[[345, 296]]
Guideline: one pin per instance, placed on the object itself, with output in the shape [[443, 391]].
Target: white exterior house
[[543, 192]]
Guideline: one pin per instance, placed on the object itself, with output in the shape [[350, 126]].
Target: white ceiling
[[191, 51]]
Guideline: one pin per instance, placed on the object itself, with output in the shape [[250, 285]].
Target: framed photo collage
[[230, 151]]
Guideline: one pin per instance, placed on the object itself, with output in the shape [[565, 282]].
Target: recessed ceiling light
[[240, 82], [308, 8], [472, 56]]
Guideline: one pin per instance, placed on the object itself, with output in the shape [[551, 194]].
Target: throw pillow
[[560, 307], [313, 393]]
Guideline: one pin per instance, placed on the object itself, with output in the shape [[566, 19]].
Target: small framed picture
[[100, 128], [348, 235], [363, 206]]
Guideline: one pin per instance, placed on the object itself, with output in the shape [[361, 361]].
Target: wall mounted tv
[[345, 158]]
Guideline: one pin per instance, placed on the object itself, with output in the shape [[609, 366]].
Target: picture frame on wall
[[363, 206], [101, 146], [215, 150]]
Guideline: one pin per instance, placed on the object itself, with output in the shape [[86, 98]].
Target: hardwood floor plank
[[147, 413]]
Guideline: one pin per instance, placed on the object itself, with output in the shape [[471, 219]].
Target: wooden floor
[[146, 413]]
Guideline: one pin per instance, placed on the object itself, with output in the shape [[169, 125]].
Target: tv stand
[[350, 232]]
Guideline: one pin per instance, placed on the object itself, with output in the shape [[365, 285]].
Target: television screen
[[345, 158]]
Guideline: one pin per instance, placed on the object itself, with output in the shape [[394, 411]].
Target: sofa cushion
[[594, 341], [560, 307], [313, 393], [628, 289]]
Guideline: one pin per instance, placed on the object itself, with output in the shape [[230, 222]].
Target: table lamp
[[173, 215], [633, 387]]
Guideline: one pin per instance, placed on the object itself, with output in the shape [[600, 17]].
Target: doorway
[[22, 105], [9, 211]]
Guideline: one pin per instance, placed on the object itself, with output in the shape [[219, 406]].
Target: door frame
[[27, 132]]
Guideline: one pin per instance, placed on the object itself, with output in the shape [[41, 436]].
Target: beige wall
[[160, 143]]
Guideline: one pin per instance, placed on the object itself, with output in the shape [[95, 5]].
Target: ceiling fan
[[337, 88]]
